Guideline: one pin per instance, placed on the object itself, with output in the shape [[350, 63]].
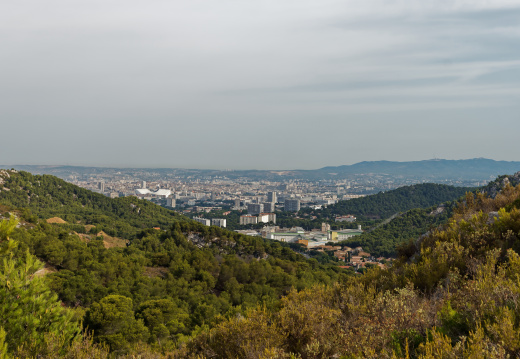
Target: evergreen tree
[[114, 323], [29, 311], [6, 228], [3, 344]]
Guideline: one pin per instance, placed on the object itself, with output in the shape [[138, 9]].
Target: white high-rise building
[[204, 221], [219, 222]]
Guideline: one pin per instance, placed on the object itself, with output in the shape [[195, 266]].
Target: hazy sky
[[257, 84]]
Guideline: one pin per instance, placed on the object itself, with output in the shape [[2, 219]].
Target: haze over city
[[265, 85]]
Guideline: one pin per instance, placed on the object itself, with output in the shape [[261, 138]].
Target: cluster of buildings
[[320, 240], [259, 212], [191, 188], [256, 206], [261, 198], [354, 258], [259, 218], [189, 193], [309, 239], [219, 222], [312, 238]]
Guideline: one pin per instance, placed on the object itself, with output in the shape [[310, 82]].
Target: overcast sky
[[260, 84]]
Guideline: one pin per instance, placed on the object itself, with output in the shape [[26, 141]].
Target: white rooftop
[[159, 192]]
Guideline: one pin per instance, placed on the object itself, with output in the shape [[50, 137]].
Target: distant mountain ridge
[[478, 167]]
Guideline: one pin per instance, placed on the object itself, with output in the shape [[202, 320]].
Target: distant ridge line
[[432, 170]]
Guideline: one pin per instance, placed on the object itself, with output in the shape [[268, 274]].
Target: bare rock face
[[492, 216], [3, 175], [493, 188]]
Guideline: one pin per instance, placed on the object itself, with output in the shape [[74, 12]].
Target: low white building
[[159, 193], [248, 219], [266, 217], [288, 237], [347, 218]]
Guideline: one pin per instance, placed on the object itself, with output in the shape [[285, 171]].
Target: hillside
[[190, 291], [46, 197], [494, 187], [173, 282], [385, 204], [436, 169], [477, 169], [385, 239], [451, 294]]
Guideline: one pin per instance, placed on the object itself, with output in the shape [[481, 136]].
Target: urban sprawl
[[211, 199]]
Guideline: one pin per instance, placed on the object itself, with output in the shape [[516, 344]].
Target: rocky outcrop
[[493, 188]]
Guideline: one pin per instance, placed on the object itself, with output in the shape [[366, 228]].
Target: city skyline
[[265, 85]]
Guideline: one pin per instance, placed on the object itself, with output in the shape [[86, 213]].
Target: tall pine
[[29, 311]]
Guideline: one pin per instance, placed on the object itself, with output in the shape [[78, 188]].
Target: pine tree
[[6, 228], [3, 344], [113, 321], [29, 311]]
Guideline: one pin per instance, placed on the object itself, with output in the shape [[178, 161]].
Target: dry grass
[[57, 220], [83, 237], [47, 269], [153, 272], [112, 242], [4, 208]]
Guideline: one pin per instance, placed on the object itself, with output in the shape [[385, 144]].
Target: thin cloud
[[231, 73]]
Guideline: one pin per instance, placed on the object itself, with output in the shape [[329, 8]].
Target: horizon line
[[12, 166]]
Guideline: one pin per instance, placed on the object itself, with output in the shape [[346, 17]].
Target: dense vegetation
[[48, 196], [386, 204], [369, 210], [454, 293], [165, 285], [385, 239], [203, 292], [494, 187]]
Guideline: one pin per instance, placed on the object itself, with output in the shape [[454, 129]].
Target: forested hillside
[[385, 239], [494, 187], [386, 204], [162, 288], [48, 196], [190, 291], [454, 293]]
